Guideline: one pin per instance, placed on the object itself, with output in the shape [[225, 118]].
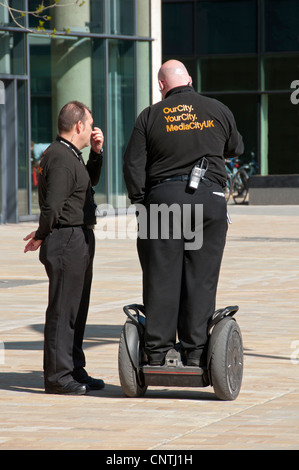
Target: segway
[[223, 368]]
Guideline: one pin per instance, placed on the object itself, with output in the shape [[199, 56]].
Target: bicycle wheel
[[240, 186]]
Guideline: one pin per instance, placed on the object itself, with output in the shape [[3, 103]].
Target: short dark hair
[[70, 114]]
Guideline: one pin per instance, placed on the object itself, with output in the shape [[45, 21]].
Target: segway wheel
[[226, 359], [130, 378]]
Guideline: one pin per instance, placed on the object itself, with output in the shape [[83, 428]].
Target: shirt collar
[[72, 147], [62, 139], [179, 89]]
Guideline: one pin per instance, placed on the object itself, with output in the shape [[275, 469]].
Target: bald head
[[172, 74]]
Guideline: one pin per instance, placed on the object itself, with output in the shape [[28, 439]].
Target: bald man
[[172, 74], [174, 169]]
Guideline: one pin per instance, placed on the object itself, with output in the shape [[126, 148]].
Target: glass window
[[71, 74], [12, 53], [14, 18], [144, 76], [122, 17], [34, 21], [246, 121], [225, 27], [190, 65], [283, 142], [97, 15], [64, 69], [122, 109], [279, 72], [74, 17], [41, 107], [41, 95], [99, 110], [143, 18], [23, 166], [177, 31], [229, 74], [281, 25]]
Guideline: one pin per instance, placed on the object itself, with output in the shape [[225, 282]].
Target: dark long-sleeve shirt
[[169, 137], [65, 187]]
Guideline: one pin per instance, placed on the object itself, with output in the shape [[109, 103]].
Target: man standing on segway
[[176, 158]]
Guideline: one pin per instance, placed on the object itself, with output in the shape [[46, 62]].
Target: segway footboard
[[174, 373]]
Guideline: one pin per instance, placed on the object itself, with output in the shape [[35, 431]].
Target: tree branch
[[38, 13]]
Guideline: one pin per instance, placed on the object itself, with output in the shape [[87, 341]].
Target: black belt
[[173, 178], [177, 178]]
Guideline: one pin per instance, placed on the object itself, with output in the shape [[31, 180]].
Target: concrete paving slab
[[259, 273]]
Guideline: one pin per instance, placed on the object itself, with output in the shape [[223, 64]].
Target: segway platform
[[223, 369], [174, 373]]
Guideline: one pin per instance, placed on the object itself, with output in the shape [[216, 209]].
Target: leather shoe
[[155, 363], [93, 384], [156, 360], [70, 388], [81, 376], [194, 358]]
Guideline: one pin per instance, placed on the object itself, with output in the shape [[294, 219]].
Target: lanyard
[[73, 150]]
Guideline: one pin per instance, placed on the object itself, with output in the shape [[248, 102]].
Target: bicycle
[[251, 167], [237, 181]]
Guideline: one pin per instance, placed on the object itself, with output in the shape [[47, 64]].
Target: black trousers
[[67, 254], [180, 279]]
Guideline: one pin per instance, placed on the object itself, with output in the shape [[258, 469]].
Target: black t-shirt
[[65, 187], [169, 138]]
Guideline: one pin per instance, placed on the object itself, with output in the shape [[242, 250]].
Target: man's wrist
[[98, 153]]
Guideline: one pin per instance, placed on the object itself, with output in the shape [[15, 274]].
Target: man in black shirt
[[66, 240], [179, 278]]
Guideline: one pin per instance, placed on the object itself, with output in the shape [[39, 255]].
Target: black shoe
[[194, 358], [81, 376], [94, 384], [156, 363], [70, 388]]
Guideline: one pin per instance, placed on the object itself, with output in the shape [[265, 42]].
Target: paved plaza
[[260, 273]]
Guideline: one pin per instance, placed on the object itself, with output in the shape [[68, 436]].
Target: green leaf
[[40, 8]]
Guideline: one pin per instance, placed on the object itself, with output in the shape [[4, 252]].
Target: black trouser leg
[[78, 353], [161, 262], [200, 279], [66, 256]]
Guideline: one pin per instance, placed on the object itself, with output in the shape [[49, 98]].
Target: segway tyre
[[129, 375], [226, 359]]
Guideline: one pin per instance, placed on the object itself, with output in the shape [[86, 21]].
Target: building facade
[[107, 53], [102, 53], [246, 54]]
